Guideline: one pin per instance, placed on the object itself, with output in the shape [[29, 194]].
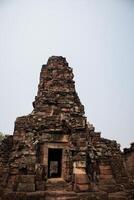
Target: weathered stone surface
[[54, 148], [26, 187], [15, 196], [129, 161]]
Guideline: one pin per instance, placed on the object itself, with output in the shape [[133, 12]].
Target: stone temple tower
[[58, 120], [56, 129], [54, 153]]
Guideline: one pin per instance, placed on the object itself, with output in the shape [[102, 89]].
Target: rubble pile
[[55, 153]]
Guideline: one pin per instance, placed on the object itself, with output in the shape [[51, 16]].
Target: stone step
[[56, 184], [100, 195], [111, 187], [61, 198], [118, 196], [61, 195], [65, 195]]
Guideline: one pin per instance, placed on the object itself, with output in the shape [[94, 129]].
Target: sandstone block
[[26, 187]]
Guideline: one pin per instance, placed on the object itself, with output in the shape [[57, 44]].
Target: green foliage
[[2, 136]]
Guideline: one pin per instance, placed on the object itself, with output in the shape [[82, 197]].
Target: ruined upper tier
[[56, 99], [57, 87]]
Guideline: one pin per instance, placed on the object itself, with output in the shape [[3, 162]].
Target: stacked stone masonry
[[55, 153]]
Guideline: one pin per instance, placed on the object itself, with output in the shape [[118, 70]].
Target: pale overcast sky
[[97, 39]]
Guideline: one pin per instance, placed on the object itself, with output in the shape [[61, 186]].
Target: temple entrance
[[54, 163]]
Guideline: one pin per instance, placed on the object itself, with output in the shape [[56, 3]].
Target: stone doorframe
[[65, 158]]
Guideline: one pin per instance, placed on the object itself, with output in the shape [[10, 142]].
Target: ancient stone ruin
[[55, 153]]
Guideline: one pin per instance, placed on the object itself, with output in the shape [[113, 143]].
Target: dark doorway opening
[[54, 163]]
